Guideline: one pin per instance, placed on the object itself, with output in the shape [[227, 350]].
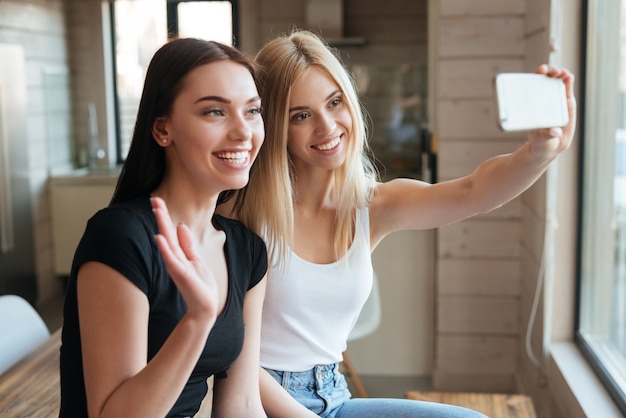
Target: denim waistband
[[317, 377]]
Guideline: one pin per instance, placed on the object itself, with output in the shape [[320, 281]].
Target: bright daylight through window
[[140, 28], [601, 332]]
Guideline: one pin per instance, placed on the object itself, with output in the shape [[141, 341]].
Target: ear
[[159, 131]]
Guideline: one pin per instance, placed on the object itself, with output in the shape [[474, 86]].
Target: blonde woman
[[315, 198]]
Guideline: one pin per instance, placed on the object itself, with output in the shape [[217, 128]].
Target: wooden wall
[[478, 279], [394, 31], [534, 206]]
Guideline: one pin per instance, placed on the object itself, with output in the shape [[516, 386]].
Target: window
[[601, 321], [140, 27]]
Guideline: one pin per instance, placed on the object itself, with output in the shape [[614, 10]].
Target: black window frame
[[172, 32], [614, 389]]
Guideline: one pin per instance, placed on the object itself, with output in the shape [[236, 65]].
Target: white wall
[[402, 345], [39, 27]]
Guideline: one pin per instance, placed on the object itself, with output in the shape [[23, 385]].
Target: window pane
[[140, 29], [602, 321], [206, 19]]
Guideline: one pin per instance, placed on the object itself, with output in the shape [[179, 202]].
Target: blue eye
[[256, 110], [214, 112]]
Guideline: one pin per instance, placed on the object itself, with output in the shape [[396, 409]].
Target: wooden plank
[[534, 231], [360, 8], [481, 37], [494, 405], [536, 196], [410, 53], [44, 18], [31, 387], [478, 277], [480, 238], [479, 315], [474, 382], [396, 29], [472, 78], [460, 157], [482, 355], [281, 10], [269, 29], [538, 46], [449, 8], [537, 16], [468, 119]]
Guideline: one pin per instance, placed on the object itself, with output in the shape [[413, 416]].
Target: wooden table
[[494, 405], [31, 387]]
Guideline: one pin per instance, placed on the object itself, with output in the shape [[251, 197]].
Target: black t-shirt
[[122, 237]]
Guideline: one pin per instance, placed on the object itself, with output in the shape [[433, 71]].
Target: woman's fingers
[[191, 275], [164, 223]]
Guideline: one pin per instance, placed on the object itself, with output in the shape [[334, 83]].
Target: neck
[[192, 209], [314, 189]]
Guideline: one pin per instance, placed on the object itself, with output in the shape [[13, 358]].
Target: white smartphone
[[527, 101]]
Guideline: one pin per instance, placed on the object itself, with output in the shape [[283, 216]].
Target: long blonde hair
[[266, 204]]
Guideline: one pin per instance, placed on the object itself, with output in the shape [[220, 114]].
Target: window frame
[[172, 32], [612, 386]]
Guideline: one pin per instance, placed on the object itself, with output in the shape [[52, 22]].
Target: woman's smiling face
[[215, 126], [319, 121]]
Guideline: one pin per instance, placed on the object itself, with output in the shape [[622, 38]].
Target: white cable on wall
[[545, 276]]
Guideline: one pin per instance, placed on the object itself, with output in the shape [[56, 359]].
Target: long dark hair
[[144, 167]]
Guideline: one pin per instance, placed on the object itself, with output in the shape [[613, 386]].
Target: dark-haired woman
[[161, 286]]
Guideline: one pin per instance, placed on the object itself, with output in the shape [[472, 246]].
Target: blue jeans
[[324, 391]]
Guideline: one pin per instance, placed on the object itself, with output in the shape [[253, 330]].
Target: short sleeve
[[122, 239], [247, 252], [259, 259]]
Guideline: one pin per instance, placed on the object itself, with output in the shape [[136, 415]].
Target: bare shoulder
[[394, 202]]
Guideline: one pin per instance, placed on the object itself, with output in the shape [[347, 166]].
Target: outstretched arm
[[404, 204]]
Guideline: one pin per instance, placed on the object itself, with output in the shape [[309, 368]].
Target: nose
[[240, 129], [326, 123]]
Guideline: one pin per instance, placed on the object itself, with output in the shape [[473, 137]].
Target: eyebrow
[[306, 107], [223, 99]]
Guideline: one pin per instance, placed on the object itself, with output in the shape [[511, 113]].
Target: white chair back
[[21, 330]]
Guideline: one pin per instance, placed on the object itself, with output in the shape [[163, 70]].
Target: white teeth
[[330, 145], [238, 157]]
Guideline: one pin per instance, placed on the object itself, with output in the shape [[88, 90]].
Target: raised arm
[[114, 332], [404, 204]]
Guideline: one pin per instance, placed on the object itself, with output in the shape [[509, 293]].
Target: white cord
[[545, 269], [533, 311]]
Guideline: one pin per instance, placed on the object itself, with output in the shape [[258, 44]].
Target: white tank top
[[311, 308]]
